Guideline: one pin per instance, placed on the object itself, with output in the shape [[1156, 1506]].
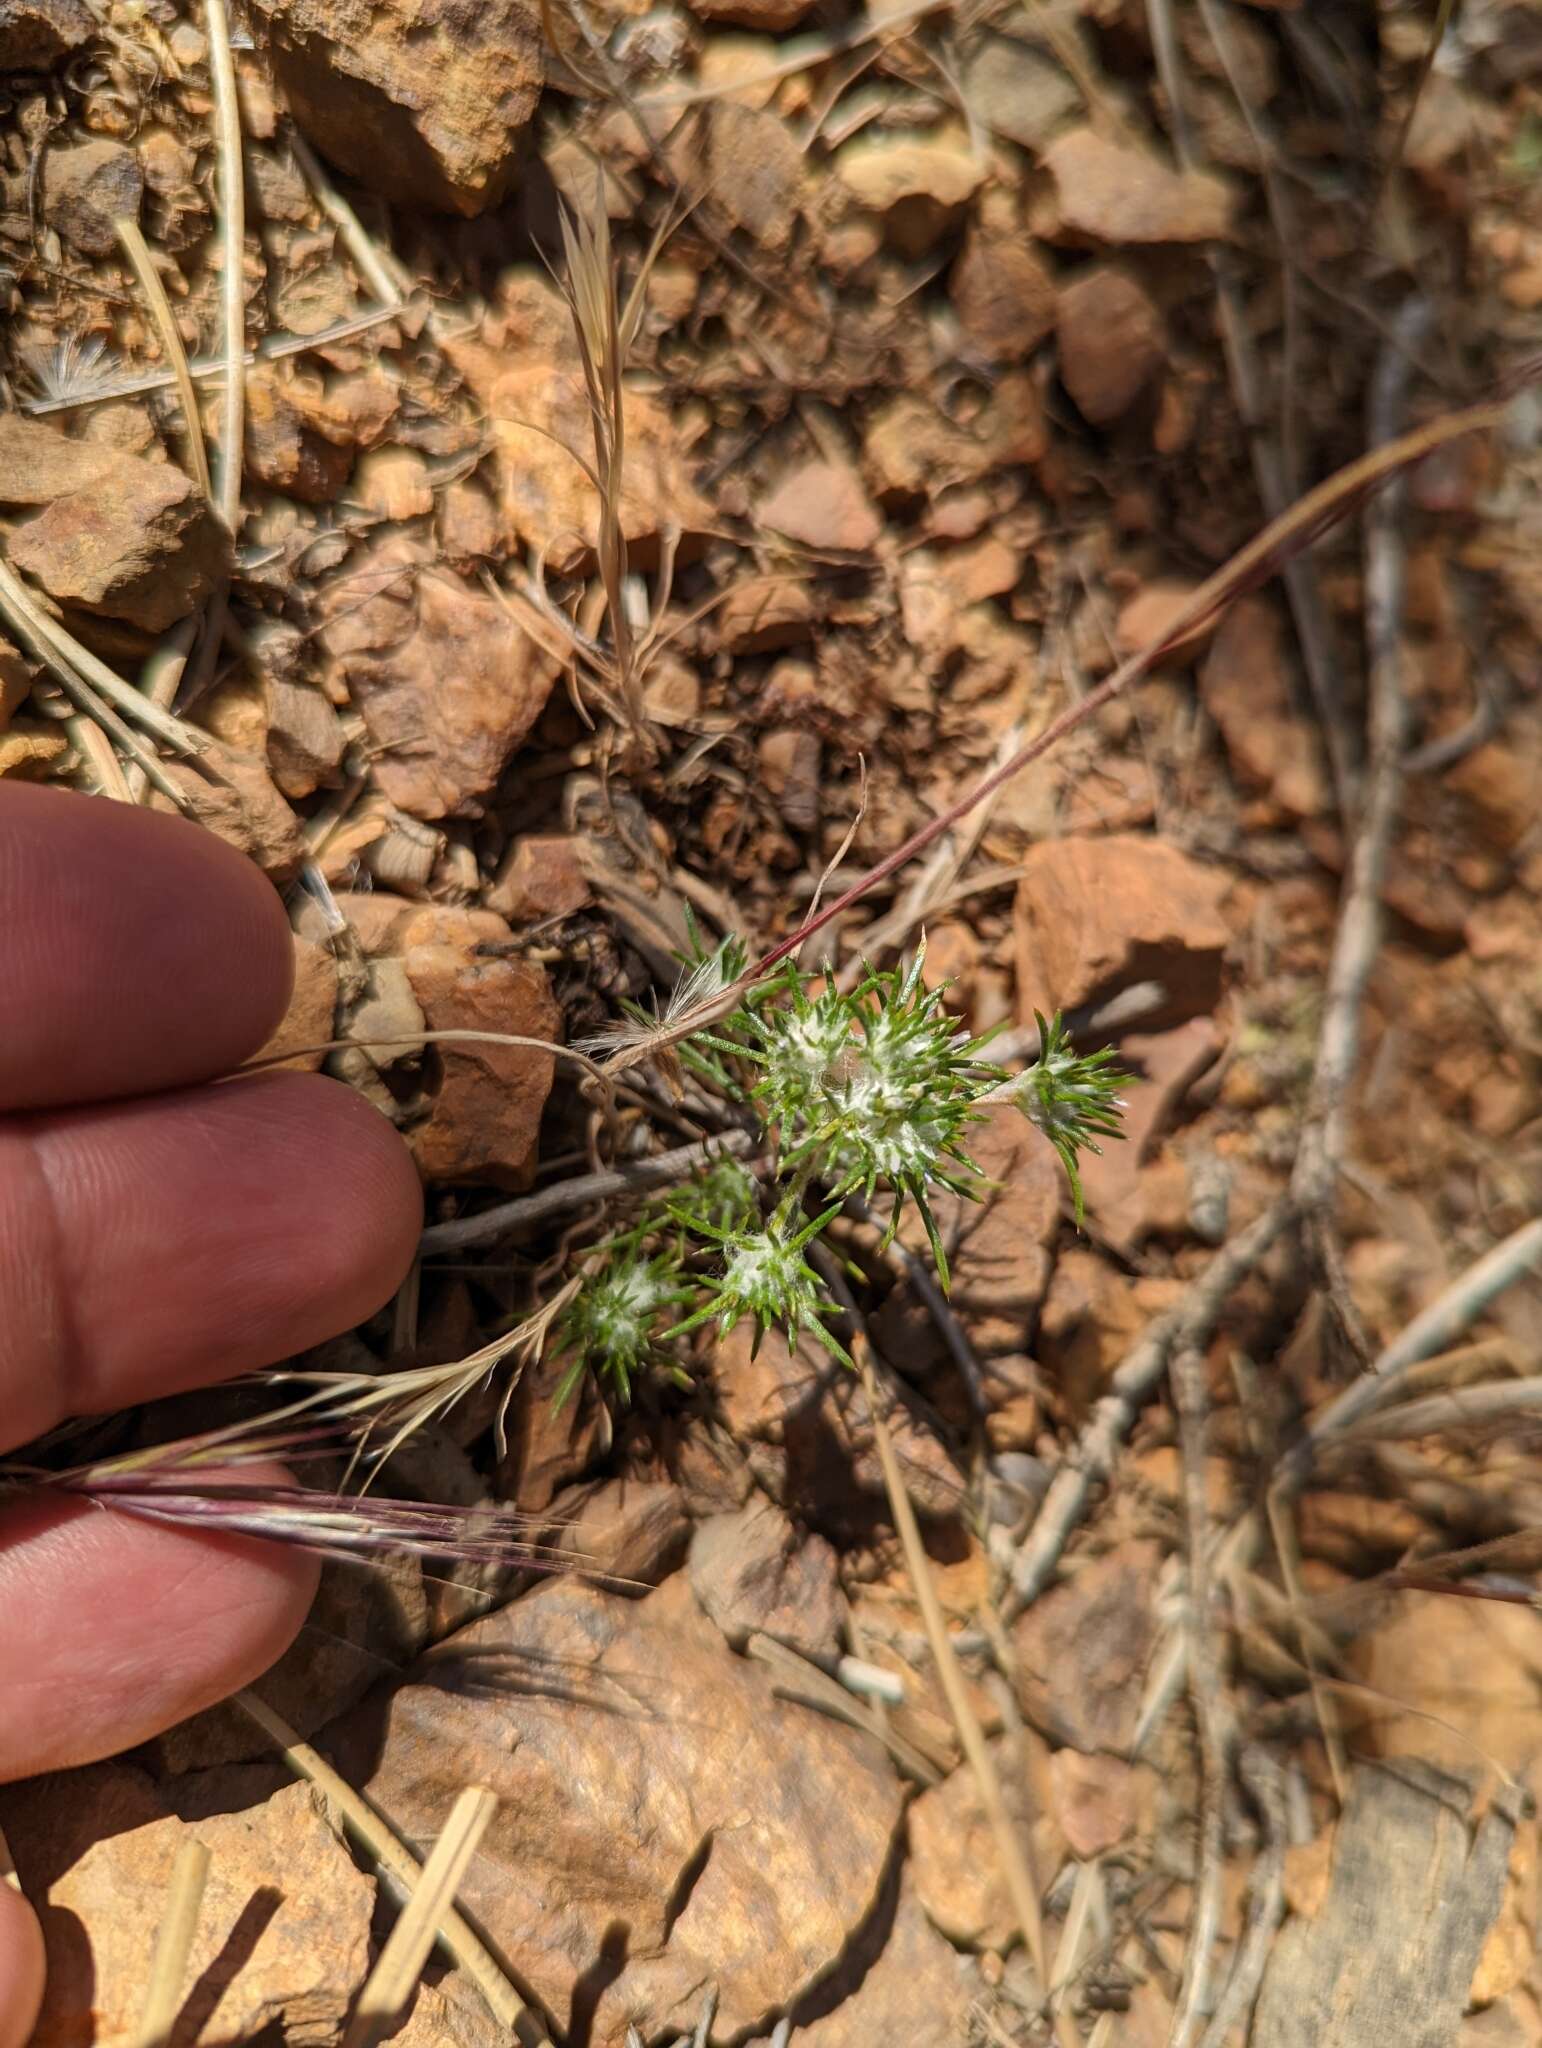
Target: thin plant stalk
[[52, 647], [136, 249], [399, 1965], [392, 1854], [231, 186], [100, 757], [1022, 1886], [173, 1946], [273, 348]]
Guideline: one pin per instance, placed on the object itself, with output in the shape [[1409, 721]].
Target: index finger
[[140, 951]]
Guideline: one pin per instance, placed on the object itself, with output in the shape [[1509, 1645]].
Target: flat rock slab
[[1387, 1960], [664, 1820]]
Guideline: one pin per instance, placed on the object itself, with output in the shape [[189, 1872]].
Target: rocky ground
[[972, 340]]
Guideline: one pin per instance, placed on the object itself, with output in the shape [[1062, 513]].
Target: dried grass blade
[[137, 250], [173, 1945], [400, 1963], [1021, 1884], [231, 188], [391, 1853]]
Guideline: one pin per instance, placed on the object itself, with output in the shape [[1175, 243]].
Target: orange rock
[[448, 684], [953, 1855], [823, 505], [1147, 618], [541, 876], [292, 443], [242, 806], [1003, 296], [1107, 193], [423, 109], [1097, 915], [95, 1850], [1099, 1801], [613, 1815], [1112, 343], [1246, 691], [540, 410], [308, 1020], [1081, 1650], [484, 1113]]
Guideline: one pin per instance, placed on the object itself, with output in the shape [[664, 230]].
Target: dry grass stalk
[[231, 188], [1022, 1885], [173, 1946], [58, 648], [1432, 1330], [393, 1856], [605, 329], [378, 270], [1212, 1719], [272, 348], [137, 250], [399, 1965], [68, 662], [100, 760]]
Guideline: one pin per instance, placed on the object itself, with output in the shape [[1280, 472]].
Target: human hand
[[157, 1232]]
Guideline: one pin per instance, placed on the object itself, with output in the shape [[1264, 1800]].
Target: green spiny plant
[[870, 1092]]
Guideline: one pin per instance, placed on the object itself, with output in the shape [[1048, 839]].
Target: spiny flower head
[[1072, 1097], [614, 1323], [765, 1275], [875, 1086]]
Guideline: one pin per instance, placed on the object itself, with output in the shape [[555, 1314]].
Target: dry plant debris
[[570, 491]]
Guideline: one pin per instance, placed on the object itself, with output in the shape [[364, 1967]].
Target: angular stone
[[1018, 91], [448, 684], [1097, 915], [754, 1573], [664, 1818], [1111, 343], [801, 1419], [242, 805], [35, 34], [914, 1990], [86, 187], [541, 876], [1107, 193], [954, 1864], [882, 170], [424, 101], [119, 536], [312, 1004], [540, 410], [628, 1529], [756, 172], [483, 1115], [292, 444], [1081, 1650], [282, 1941], [1003, 296], [305, 739], [823, 505], [1246, 690]]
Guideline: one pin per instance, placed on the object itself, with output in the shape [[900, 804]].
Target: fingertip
[[136, 1624], [142, 951], [21, 1968]]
